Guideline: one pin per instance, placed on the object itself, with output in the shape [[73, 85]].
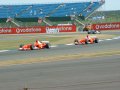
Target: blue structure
[[49, 10]]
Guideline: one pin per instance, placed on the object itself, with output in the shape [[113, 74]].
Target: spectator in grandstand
[[91, 2], [80, 15], [102, 1]]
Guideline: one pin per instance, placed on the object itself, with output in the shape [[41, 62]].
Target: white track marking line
[[101, 40], [108, 39], [116, 38], [54, 46], [70, 44], [4, 50]]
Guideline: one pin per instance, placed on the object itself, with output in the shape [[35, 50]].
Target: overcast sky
[[109, 5]]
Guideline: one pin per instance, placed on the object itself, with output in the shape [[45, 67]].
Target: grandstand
[[45, 12]]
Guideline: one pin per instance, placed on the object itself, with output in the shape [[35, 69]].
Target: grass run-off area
[[58, 58], [9, 42]]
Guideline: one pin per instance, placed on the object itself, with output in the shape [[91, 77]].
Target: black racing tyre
[[32, 47], [86, 41], [96, 40], [76, 42], [89, 33], [47, 46], [21, 45]]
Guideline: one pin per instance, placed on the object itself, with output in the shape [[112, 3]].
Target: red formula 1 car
[[36, 46], [86, 40]]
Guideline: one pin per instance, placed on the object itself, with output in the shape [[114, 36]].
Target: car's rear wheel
[[47, 46], [96, 40], [86, 41], [89, 32], [32, 47], [21, 45]]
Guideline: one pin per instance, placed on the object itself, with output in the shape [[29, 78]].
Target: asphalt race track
[[101, 73], [110, 44], [95, 73]]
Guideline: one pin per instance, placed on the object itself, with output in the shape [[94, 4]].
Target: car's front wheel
[[76, 42]]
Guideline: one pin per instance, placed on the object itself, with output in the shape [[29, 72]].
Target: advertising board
[[38, 29], [106, 26], [22, 30]]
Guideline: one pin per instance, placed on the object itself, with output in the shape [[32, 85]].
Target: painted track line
[[108, 39], [54, 46], [70, 44], [117, 37], [4, 50], [101, 40]]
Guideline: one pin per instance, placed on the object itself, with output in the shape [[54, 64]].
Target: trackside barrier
[[106, 26], [38, 29], [22, 30], [59, 29]]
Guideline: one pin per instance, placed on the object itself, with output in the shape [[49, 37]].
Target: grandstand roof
[[26, 2]]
